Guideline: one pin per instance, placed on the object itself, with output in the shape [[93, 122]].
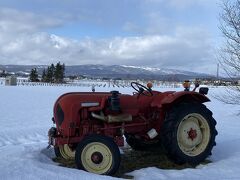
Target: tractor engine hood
[[68, 105]]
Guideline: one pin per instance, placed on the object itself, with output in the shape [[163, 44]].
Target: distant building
[[11, 81]]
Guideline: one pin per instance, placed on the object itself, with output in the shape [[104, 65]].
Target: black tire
[[57, 152], [140, 145], [106, 156], [176, 139]]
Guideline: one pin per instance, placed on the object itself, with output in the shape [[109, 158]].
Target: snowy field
[[26, 113]]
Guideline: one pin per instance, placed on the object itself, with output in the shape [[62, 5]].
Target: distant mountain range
[[112, 71]]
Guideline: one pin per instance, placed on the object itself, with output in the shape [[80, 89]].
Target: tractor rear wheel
[[64, 151], [189, 133], [98, 154]]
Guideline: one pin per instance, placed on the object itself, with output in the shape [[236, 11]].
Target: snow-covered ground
[[26, 113]]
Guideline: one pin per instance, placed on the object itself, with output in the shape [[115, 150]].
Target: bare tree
[[229, 55]]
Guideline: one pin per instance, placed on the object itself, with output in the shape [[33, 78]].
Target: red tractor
[[90, 126]]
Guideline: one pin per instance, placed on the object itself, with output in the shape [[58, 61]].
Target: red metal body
[[79, 114]]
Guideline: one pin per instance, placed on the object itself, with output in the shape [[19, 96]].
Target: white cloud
[[22, 41], [185, 48], [12, 20]]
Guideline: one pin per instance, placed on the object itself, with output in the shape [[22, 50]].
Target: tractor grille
[[60, 115]]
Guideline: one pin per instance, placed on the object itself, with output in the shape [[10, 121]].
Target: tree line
[[51, 74], [4, 74]]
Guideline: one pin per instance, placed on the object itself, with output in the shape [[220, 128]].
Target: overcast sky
[[181, 34]]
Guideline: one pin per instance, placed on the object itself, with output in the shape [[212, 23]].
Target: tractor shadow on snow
[[133, 160]]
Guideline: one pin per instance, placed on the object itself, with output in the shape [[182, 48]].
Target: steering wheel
[[141, 89]]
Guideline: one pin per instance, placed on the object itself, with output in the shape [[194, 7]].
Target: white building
[[11, 81]]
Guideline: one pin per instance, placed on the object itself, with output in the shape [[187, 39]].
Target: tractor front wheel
[[189, 133], [64, 151], [98, 154]]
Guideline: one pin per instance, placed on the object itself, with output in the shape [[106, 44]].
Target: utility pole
[[218, 74]]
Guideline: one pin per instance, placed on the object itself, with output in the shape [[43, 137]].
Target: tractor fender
[[171, 97], [184, 96]]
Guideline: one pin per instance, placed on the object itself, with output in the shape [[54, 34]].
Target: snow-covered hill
[[165, 71], [26, 117], [114, 71]]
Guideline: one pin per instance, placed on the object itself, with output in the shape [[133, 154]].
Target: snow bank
[[26, 114]]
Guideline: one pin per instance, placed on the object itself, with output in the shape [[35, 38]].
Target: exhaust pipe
[[97, 116]]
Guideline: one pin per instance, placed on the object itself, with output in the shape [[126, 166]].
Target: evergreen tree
[[50, 73], [54, 73], [63, 72], [52, 69], [44, 75], [34, 75], [3, 74], [59, 72]]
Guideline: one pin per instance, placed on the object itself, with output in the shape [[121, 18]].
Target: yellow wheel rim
[[66, 152], [96, 158], [193, 134]]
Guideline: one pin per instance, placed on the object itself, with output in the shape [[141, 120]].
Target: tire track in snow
[[6, 140]]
